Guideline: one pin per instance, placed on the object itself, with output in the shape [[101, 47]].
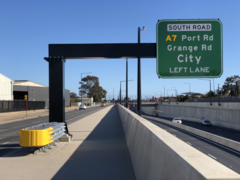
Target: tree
[[90, 87], [207, 95], [231, 85], [184, 98], [126, 98], [73, 95]]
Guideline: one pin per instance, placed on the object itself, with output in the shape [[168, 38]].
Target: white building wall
[[6, 88]]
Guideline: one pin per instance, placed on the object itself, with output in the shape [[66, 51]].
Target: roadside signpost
[[189, 49], [26, 98]]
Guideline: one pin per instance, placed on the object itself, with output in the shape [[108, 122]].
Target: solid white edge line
[[21, 147], [205, 139], [4, 143], [189, 143], [212, 156], [212, 142]]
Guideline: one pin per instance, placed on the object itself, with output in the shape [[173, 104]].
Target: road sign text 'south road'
[[189, 49]]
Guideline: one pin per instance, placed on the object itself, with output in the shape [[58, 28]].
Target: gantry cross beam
[[58, 53]]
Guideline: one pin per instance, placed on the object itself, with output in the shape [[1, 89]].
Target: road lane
[[10, 131], [219, 131], [219, 153]]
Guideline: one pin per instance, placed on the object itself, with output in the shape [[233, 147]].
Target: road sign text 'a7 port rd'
[[189, 49]]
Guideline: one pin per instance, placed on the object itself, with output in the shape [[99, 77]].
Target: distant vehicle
[[82, 106], [88, 104], [176, 120], [103, 105], [166, 100], [206, 123]]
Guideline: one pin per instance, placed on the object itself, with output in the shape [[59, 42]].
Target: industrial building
[[16, 90], [34, 92], [6, 88]]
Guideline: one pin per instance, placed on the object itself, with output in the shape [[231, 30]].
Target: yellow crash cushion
[[34, 137]]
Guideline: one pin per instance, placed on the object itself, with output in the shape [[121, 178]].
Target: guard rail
[[42, 136]]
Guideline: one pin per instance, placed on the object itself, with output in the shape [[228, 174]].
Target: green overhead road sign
[[189, 49]]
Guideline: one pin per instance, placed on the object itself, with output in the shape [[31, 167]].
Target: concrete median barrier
[[156, 154]]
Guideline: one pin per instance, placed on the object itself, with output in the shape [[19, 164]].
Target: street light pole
[[139, 77], [120, 92], [161, 94], [127, 83], [210, 89], [121, 88], [189, 87], [210, 93]]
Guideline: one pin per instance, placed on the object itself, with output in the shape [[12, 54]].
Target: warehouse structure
[[35, 92], [6, 88], [16, 90]]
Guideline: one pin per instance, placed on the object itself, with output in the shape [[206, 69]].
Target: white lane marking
[[189, 143], [212, 156], [212, 142], [4, 143], [208, 141]]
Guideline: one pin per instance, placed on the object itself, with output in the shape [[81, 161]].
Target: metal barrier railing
[[41, 137]]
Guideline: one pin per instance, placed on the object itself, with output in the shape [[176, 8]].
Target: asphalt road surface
[[219, 131], [9, 132], [224, 155]]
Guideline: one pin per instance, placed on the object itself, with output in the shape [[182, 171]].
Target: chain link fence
[[20, 105]]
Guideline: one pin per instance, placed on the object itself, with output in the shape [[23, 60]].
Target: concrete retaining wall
[[218, 139], [227, 115], [156, 154], [148, 110]]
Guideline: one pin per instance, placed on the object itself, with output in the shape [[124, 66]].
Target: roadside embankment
[[156, 154]]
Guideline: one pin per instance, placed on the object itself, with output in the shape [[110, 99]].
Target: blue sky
[[27, 27]]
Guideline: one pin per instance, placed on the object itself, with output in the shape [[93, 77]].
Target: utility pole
[[120, 93], [139, 78], [127, 83], [213, 85], [164, 93], [218, 95]]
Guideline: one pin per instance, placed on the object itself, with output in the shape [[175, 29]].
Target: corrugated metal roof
[[27, 83]]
